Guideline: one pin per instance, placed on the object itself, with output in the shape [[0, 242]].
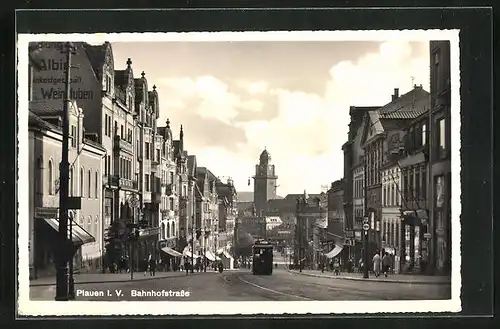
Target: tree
[[244, 245]]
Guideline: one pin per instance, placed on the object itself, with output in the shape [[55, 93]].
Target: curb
[[371, 280], [123, 280]]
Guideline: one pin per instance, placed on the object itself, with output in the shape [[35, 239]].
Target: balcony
[[113, 181], [128, 184], [169, 190], [155, 166], [156, 197], [121, 144]]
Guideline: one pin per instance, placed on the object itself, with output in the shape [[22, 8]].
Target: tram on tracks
[[262, 252]]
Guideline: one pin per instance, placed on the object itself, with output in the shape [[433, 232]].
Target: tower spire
[[181, 134]]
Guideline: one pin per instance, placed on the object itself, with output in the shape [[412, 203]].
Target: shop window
[[441, 138]]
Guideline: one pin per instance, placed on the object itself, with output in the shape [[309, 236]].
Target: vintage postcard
[[251, 172]]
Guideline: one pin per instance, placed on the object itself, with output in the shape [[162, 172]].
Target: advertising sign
[[49, 78]]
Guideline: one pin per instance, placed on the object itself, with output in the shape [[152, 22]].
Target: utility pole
[[192, 243], [366, 224], [71, 286], [62, 261]]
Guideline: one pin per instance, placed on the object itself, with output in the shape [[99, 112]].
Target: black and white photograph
[[251, 169]]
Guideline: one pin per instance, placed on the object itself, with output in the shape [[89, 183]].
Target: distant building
[[264, 183]]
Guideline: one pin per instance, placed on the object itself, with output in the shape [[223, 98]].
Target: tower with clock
[[264, 183]]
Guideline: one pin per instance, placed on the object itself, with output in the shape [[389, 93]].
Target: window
[[441, 131], [70, 181], [82, 173], [115, 132], [89, 192], [411, 185], [435, 73], [171, 205], [89, 224], [96, 225], [405, 187], [122, 133], [73, 136], [106, 124], [97, 184], [393, 196], [384, 195], [129, 136], [109, 126], [147, 151], [105, 165], [168, 230], [171, 178], [173, 229], [146, 179], [423, 190], [157, 155], [424, 134], [39, 176], [109, 165], [417, 186], [51, 178]]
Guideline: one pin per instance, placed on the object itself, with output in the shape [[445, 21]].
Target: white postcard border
[[27, 307]]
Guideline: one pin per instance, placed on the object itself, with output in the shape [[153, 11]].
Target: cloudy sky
[[236, 98]]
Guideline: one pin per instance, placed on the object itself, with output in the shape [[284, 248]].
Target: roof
[[282, 205], [120, 78], [244, 206], [296, 196], [96, 55], [405, 102], [191, 162]]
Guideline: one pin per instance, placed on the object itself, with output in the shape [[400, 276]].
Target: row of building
[[397, 173], [124, 167]]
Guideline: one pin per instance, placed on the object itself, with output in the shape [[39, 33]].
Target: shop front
[[170, 258], [47, 242], [414, 253]]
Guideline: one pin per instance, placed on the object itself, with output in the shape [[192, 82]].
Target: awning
[[210, 256], [188, 253], [220, 251], [79, 236], [226, 254], [171, 252], [334, 252]]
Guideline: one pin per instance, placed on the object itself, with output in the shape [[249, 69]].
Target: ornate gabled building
[[169, 206], [228, 213], [382, 129], [207, 216]]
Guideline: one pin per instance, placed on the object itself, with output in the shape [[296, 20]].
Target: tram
[[262, 252]]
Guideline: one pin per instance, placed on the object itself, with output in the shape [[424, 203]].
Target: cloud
[[254, 87], [231, 121]]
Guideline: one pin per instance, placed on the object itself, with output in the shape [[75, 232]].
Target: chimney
[[396, 94]]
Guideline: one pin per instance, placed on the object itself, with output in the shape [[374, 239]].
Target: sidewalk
[[394, 278], [111, 277]]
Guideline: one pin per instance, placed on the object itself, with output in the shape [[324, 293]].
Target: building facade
[[335, 233], [382, 132], [311, 212], [414, 211], [354, 207], [85, 181], [391, 206], [440, 157]]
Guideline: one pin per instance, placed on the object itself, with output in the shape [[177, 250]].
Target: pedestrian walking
[[386, 264], [376, 264], [152, 266]]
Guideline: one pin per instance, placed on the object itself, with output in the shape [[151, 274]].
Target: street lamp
[[63, 253]]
